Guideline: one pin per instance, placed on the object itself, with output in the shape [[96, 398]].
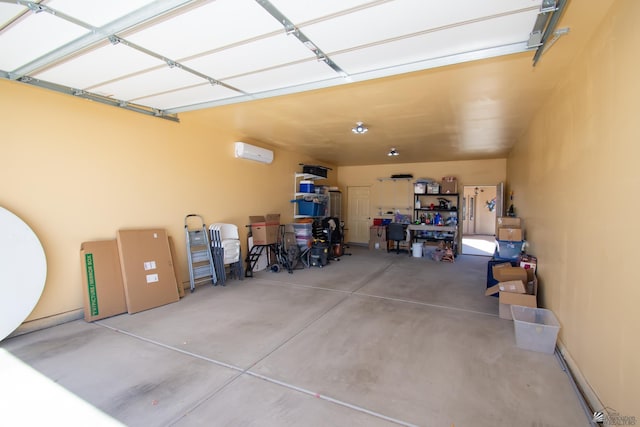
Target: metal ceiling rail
[[97, 35], [377, 73], [437, 29], [16, 18], [426, 64], [150, 111], [291, 29], [550, 29], [144, 14], [172, 63]]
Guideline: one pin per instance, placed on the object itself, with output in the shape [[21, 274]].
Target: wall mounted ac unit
[[251, 152]]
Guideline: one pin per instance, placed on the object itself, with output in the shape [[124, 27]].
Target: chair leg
[[397, 247]]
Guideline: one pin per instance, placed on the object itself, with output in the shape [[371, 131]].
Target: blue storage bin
[[310, 208], [508, 250], [307, 187]]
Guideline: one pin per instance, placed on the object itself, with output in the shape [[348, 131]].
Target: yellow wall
[[574, 176], [76, 171]]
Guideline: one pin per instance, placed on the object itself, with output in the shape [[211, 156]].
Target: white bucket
[[417, 250]]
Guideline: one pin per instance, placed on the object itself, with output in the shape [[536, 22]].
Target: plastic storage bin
[[508, 250], [536, 328], [310, 208], [307, 187]]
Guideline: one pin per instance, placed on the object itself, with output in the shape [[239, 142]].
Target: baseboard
[[47, 322], [589, 395]]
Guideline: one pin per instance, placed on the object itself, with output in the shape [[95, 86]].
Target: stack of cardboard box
[[516, 285], [510, 237]]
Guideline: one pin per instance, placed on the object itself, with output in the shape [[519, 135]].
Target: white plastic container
[[417, 250], [536, 328]]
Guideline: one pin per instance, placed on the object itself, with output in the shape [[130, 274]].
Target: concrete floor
[[372, 339]]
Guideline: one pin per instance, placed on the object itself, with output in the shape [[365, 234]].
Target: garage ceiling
[[169, 57]]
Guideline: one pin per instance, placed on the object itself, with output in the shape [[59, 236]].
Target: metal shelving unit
[[297, 195]]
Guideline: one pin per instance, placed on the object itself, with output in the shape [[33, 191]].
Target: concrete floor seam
[[247, 371], [172, 348], [205, 398], [329, 399], [298, 285], [426, 304]]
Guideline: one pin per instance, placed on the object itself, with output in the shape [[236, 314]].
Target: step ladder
[[199, 258], [254, 255]]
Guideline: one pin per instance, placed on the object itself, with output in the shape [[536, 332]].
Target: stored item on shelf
[[536, 329], [449, 185], [307, 187], [315, 170], [264, 229], [511, 234], [420, 187], [433, 188]]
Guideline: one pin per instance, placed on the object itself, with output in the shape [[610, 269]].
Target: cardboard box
[[511, 234], [147, 269], [265, 229], [102, 284], [514, 286], [507, 298], [506, 272], [508, 222], [449, 187], [377, 234]]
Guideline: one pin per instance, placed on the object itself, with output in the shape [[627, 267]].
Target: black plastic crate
[[315, 170]]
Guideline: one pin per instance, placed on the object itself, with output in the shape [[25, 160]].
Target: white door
[[486, 210], [359, 218], [480, 206]]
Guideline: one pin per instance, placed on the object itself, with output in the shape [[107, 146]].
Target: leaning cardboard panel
[[172, 247], [101, 280], [147, 269]]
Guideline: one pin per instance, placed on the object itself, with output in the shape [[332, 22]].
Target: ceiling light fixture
[[393, 152], [359, 129]]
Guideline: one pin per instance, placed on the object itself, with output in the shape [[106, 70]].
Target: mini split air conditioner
[[251, 152]]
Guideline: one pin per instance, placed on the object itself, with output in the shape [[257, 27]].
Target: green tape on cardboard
[[91, 283]]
